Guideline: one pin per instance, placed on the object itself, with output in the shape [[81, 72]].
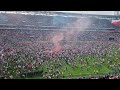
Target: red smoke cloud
[[70, 33], [56, 41], [118, 44]]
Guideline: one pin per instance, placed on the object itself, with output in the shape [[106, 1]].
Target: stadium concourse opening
[[59, 45]]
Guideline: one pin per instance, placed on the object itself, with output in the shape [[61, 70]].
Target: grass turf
[[72, 71], [90, 66]]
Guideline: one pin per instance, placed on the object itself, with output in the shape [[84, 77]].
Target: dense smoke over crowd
[[71, 31]]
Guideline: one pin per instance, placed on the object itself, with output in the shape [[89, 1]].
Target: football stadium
[[59, 45]]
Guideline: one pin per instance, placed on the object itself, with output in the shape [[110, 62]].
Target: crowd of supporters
[[22, 52]]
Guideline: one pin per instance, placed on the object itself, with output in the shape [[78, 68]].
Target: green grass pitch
[[85, 65]]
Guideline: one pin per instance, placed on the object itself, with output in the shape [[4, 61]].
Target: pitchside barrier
[[31, 74], [2, 77], [99, 76]]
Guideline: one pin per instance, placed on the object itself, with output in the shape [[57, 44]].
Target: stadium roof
[[67, 13], [91, 12], [53, 12]]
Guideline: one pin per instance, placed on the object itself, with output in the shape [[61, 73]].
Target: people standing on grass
[[21, 58]]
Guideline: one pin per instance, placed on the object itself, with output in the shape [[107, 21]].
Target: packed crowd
[[21, 19], [98, 36], [25, 51], [16, 59], [101, 23]]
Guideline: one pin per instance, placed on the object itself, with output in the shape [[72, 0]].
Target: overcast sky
[[93, 12]]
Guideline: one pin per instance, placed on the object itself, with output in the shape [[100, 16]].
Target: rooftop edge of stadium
[[57, 13]]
